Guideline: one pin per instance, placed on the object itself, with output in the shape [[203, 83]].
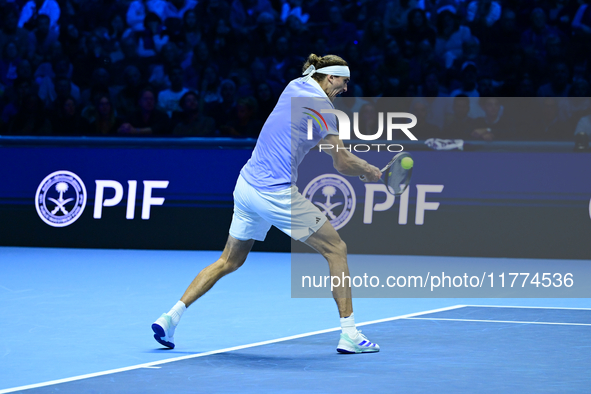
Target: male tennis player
[[266, 195]]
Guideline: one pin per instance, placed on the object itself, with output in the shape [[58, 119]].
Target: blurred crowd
[[217, 67]]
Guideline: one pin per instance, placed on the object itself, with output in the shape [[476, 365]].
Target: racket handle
[[362, 177]]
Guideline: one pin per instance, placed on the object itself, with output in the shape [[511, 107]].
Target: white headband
[[339, 71]]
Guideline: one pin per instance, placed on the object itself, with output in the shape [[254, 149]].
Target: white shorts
[[255, 212]]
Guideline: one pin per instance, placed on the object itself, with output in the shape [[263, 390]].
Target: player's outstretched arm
[[347, 163]]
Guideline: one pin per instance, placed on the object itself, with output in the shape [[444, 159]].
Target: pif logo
[[60, 198], [335, 197]]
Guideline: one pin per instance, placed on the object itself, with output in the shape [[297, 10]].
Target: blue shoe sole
[[159, 334], [344, 351]]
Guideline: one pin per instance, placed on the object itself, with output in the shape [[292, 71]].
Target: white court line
[[170, 360], [528, 307], [499, 321]]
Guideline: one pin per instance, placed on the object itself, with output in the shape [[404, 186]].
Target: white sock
[[176, 312], [348, 326]]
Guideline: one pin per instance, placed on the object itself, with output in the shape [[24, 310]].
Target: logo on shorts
[[60, 198], [335, 197]]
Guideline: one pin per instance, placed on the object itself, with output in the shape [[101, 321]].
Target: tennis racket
[[396, 177]]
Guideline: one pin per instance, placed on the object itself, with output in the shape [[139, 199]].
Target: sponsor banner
[[120, 197], [497, 204]]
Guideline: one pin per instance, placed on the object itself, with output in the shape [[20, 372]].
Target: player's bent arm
[[347, 163]]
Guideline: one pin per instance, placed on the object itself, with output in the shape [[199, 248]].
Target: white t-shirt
[[283, 141]]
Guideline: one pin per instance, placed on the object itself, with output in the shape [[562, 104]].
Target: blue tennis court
[[78, 321]]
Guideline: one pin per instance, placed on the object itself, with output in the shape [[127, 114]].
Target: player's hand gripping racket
[[397, 173]]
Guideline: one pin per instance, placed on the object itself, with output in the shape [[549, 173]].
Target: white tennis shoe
[[164, 331], [357, 344]]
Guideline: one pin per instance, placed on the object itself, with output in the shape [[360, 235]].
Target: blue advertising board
[[179, 196]]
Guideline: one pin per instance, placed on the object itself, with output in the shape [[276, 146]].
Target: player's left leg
[[329, 244]]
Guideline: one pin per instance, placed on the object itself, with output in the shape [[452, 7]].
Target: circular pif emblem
[[60, 198], [335, 197]]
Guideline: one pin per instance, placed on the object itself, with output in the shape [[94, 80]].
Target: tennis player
[[266, 195]]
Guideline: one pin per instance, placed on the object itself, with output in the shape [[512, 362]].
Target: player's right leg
[[232, 258], [247, 226]]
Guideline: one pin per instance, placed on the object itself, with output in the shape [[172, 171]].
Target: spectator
[[424, 128], [42, 38], [396, 14], [191, 121], [458, 124], [450, 37], [67, 119], [244, 13], [422, 62], [502, 36], [221, 40], [64, 88], [471, 53], [293, 7], [152, 38], [11, 32], [100, 83], [147, 120], [114, 36], [339, 32], [395, 69], [9, 63], [210, 84], [559, 84], [547, 124], [244, 123], [128, 46], [106, 121], [163, 64], [264, 35], [533, 40], [22, 89], [266, 100], [485, 12], [416, 31], [222, 112], [494, 125], [468, 88], [584, 127], [374, 41], [33, 9], [70, 39], [178, 8], [281, 60], [191, 33], [136, 13], [299, 35], [126, 99], [561, 14], [169, 99], [577, 104], [31, 118], [200, 58]]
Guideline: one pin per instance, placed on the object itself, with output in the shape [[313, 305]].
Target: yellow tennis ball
[[406, 163]]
